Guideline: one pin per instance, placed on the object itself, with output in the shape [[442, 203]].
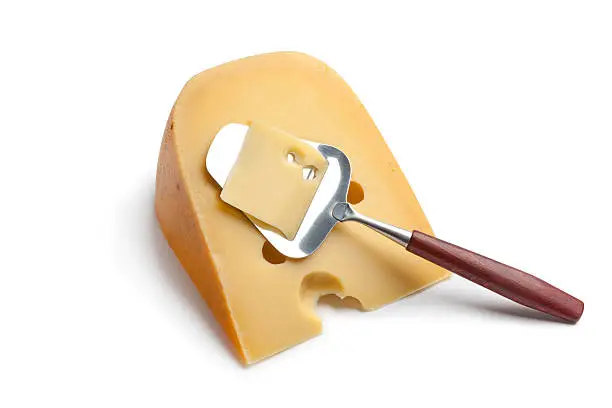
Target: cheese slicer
[[329, 206]]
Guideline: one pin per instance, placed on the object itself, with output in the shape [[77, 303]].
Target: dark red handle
[[511, 283]]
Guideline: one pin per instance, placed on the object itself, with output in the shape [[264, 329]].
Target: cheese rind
[[264, 307], [267, 180]]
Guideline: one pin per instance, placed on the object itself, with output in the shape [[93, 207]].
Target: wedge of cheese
[[264, 302], [274, 178]]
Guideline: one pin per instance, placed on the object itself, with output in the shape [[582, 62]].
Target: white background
[[500, 114]]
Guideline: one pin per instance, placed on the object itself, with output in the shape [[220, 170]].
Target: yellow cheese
[[264, 302], [274, 178]]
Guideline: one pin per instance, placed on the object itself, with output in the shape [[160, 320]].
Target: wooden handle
[[511, 283]]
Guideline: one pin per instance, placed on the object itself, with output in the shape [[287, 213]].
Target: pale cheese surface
[[269, 180]]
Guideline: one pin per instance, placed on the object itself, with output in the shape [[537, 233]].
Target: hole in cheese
[[347, 302], [355, 193], [309, 172], [266, 183], [271, 254], [317, 284]]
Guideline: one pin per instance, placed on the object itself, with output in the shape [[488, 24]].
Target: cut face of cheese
[[274, 178], [265, 302]]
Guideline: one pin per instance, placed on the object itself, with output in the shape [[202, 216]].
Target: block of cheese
[[274, 178], [264, 302]]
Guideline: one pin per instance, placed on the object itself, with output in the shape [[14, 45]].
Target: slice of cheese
[[274, 178], [265, 303]]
